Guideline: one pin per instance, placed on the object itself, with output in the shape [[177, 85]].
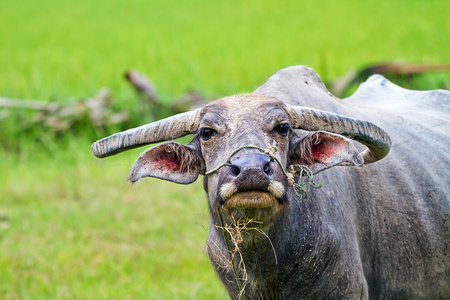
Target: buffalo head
[[250, 180]]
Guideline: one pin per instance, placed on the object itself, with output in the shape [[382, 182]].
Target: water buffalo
[[377, 228]]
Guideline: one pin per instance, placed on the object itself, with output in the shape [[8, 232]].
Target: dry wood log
[[61, 117], [146, 90], [143, 86], [27, 104], [391, 70]]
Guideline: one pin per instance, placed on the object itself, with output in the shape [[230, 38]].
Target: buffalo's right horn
[[376, 139], [162, 130]]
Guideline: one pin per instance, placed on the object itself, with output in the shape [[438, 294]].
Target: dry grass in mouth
[[234, 235]]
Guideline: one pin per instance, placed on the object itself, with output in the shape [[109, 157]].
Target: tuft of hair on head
[[227, 190], [276, 188]]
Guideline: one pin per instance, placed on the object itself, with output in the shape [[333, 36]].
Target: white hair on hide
[[227, 190], [276, 188]]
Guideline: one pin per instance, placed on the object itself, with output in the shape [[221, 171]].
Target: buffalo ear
[[321, 150], [169, 161]]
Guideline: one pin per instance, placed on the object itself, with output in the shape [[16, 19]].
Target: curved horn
[[376, 139], [162, 130]]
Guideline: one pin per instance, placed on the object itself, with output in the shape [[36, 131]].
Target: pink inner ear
[[167, 162], [322, 150], [326, 150]]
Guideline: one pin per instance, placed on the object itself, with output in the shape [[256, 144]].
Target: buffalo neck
[[293, 246]]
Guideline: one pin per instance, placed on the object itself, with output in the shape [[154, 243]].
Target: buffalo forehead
[[241, 120], [243, 108]]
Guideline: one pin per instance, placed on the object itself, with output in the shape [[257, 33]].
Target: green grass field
[[71, 226]]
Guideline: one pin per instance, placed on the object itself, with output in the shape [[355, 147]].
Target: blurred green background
[[71, 226]]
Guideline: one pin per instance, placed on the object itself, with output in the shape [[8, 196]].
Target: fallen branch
[[146, 91], [143, 86], [27, 104], [341, 85], [61, 117]]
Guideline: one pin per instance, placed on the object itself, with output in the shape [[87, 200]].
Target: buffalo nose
[[252, 170]]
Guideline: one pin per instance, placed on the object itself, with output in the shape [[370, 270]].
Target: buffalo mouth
[[233, 197], [251, 199]]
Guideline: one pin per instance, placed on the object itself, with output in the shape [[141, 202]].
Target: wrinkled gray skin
[[380, 231]]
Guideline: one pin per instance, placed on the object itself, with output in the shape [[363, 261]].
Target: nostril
[[267, 168], [235, 170]]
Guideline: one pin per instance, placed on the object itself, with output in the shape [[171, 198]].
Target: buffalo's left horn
[[162, 130], [376, 139]]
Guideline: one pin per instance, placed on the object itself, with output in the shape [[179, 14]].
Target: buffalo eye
[[282, 129], [207, 133]]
